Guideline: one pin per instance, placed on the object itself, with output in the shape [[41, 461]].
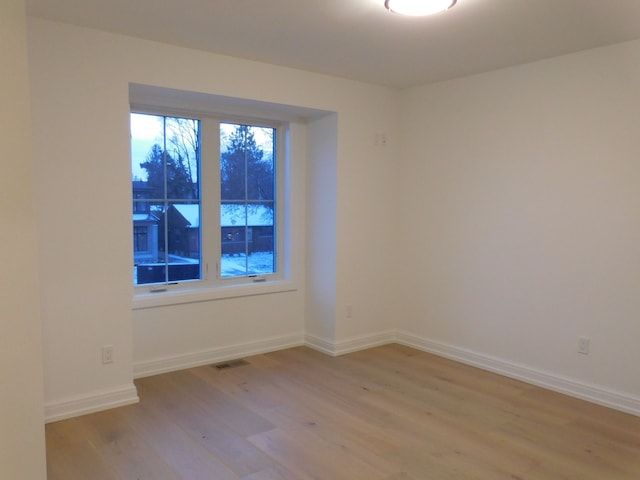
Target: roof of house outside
[[231, 215], [190, 212], [144, 217]]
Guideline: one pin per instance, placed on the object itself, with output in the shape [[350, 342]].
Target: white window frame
[[212, 286]]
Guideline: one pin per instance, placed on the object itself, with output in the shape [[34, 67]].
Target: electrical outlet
[[107, 354], [348, 311], [583, 345]]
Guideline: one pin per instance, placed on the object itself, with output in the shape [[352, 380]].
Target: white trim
[[212, 110], [221, 354], [127, 394], [584, 391], [363, 342], [177, 297], [349, 345], [321, 344], [91, 403]]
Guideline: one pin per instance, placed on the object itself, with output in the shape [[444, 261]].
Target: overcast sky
[[147, 130]]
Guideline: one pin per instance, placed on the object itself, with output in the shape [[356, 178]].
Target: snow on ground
[[255, 264], [230, 265]]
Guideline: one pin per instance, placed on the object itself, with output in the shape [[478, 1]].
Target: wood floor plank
[[190, 459], [202, 423], [70, 455], [275, 472], [310, 455], [239, 418], [388, 413], [125, 450], [79, 461]]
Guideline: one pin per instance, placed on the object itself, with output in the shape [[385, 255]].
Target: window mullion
[[165, 203], [210, 198], [246, 209]]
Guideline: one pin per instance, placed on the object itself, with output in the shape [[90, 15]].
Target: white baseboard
[[215, 355], [349, 345], [591, 393], [320, 344], [364, 341], [127, 394], [91, 403]]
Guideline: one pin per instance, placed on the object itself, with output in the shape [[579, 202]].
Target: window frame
[[167, 201], [212, 285]]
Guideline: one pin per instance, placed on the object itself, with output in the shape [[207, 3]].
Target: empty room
[[356, 239]]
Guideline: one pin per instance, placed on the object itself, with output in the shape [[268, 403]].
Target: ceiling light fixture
[[418, 7]]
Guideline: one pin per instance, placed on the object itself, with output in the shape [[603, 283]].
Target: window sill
[[193, 295]]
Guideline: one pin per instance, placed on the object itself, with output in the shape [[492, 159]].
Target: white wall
[[492, 218], [367, 216], [80, 80], [321, 220], [22, 453], [520, 218]]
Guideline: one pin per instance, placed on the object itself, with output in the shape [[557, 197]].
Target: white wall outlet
[[107, 354], [348, 311], [583, 345]]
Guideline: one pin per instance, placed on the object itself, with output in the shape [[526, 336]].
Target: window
[[247, 193], [204, 200], [166, 204]]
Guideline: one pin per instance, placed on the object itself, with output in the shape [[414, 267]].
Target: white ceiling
[[360, 39]]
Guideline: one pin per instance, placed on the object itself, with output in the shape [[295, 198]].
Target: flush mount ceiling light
[[418, 7]]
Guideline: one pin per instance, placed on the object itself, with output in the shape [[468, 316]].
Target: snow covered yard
[[255, 264]]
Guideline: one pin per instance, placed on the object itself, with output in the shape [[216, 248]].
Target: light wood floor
[[388, 413]]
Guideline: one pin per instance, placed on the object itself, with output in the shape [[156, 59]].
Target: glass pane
[[261, 238], [183, 237], [147, 156], [247, 162], [262, 257], [182, 154], [235, 143], [248, 243], [148, 245], [247, 173], [233, 222], [165, 160], [260, 168]]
